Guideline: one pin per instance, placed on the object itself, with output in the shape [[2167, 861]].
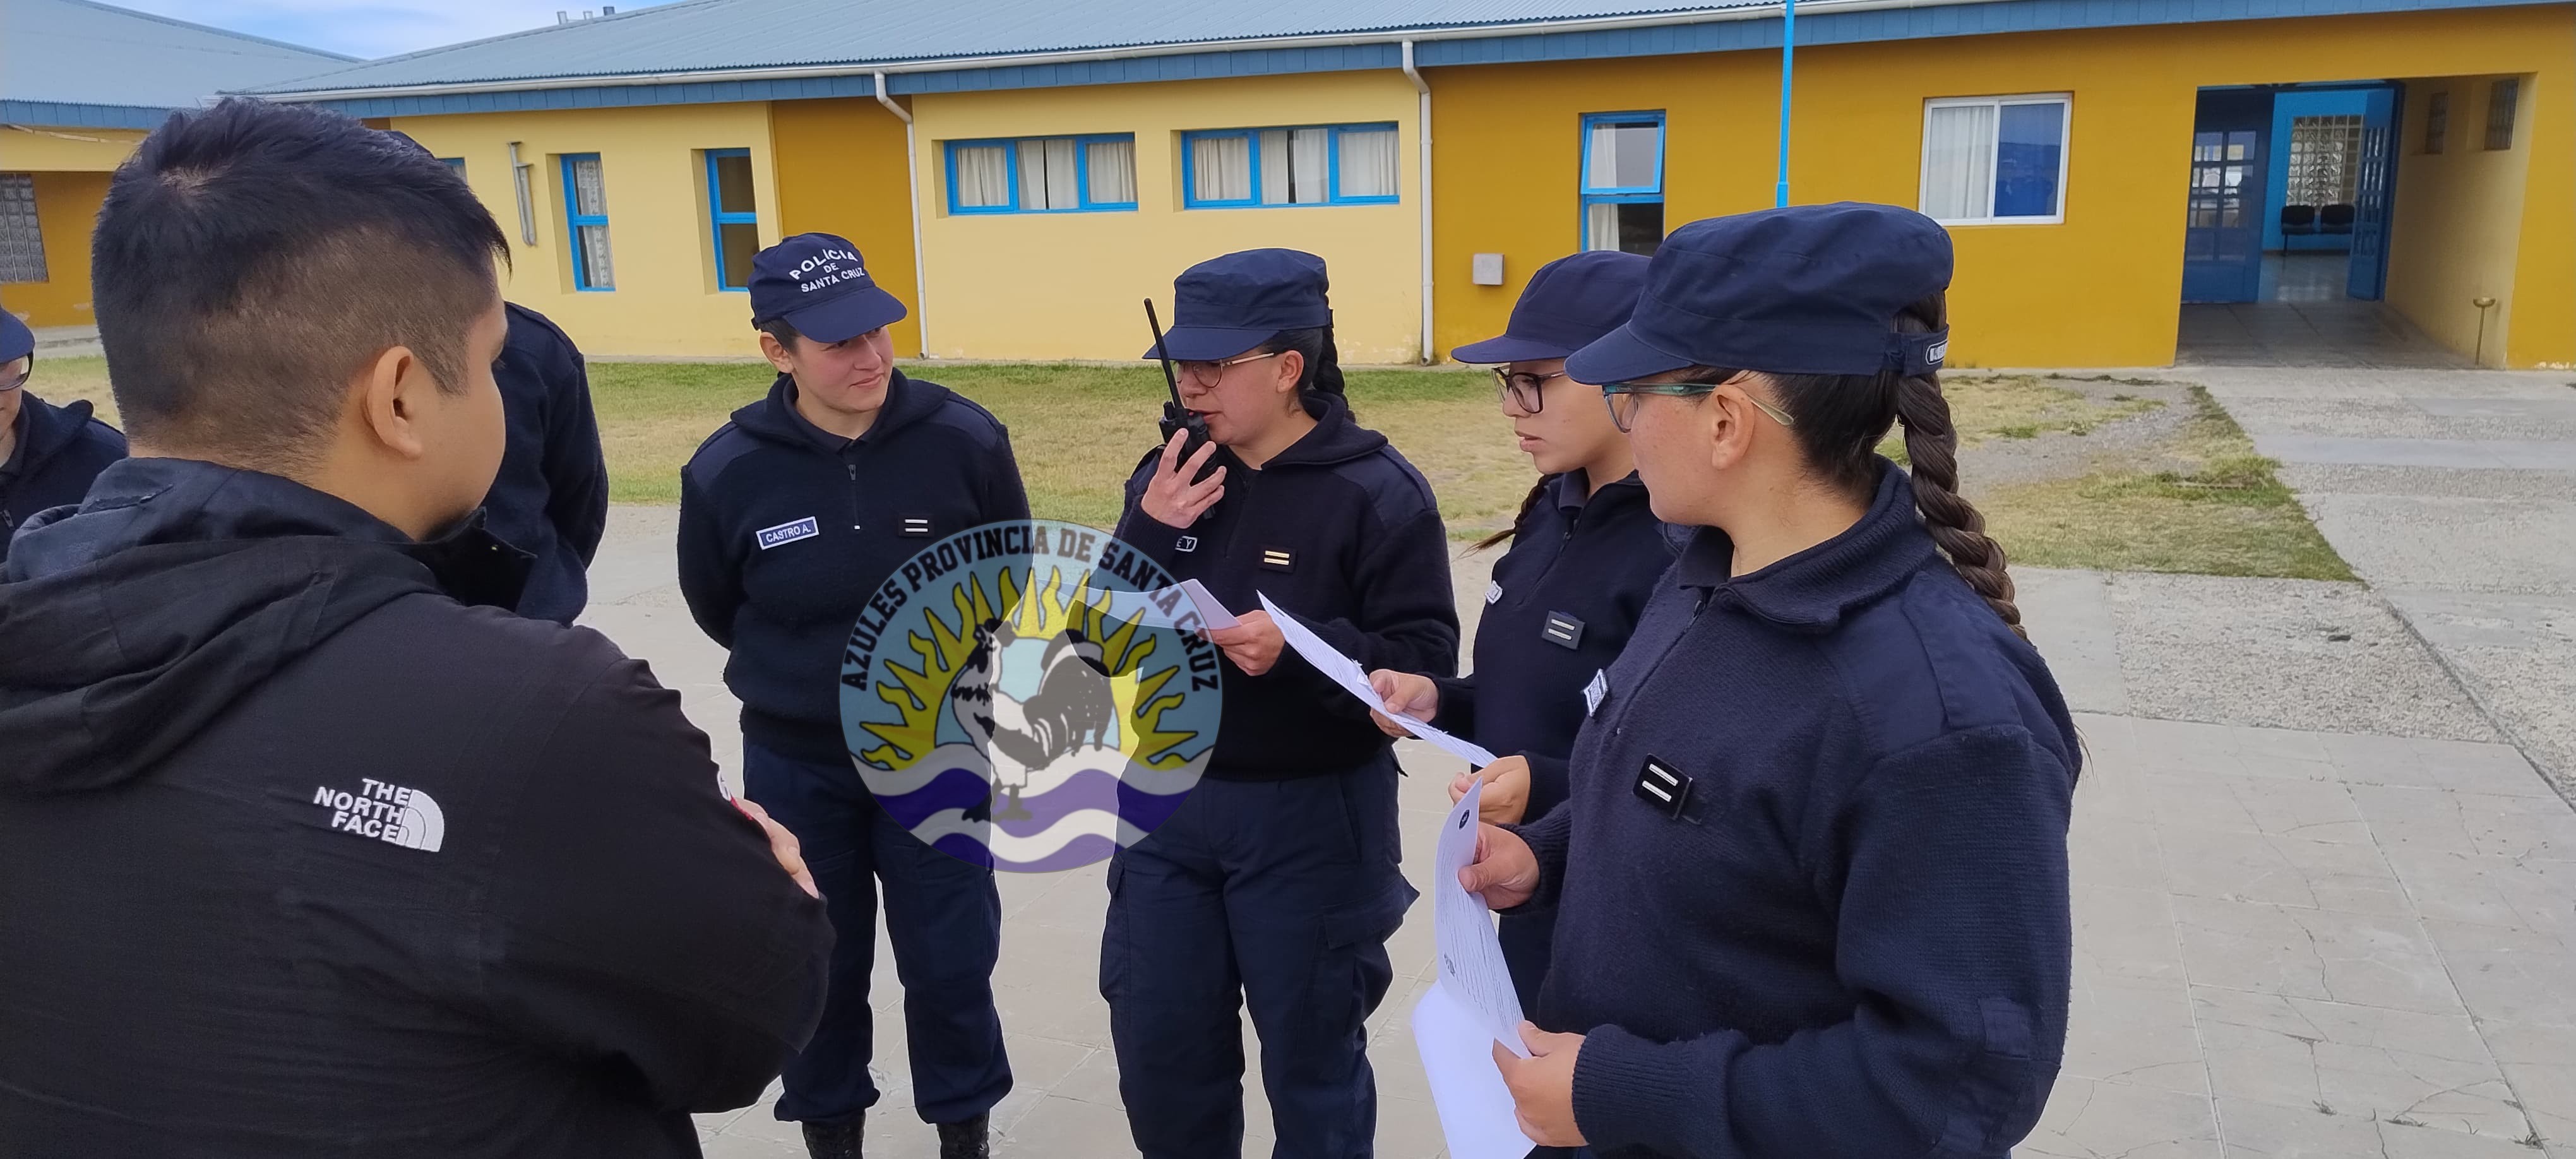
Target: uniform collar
[[1573, 492], [1812, 590]]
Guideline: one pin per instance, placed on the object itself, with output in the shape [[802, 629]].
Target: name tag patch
[[769, 537], [1663, 786], [1593, 692], [1186, 543], [914, 526], [1494, 592], [1278, 559], [1562, 630]]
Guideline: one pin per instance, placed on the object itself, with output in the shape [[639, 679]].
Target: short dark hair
[[780, 329], [252, 256]]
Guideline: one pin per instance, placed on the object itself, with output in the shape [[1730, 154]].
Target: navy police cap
[[818, 283], [1568, 303], [1226, 305], [1808, 289], [16, 341]]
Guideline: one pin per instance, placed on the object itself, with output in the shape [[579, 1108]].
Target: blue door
[[2373, 196], [2223, 227]]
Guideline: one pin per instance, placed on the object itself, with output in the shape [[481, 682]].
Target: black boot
[[967, 1140], [836, 1140]]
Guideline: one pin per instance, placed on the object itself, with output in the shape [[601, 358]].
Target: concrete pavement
[[2320, 911]]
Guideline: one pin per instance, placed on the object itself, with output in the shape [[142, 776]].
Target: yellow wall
[[1068, 285], [840, 170], [66, 208], [2544, 281], [70, 150], [2100, 289], [2458, 223], [666, 300]]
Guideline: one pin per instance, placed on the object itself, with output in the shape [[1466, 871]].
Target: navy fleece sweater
[[1853, 939], [1341, 532]]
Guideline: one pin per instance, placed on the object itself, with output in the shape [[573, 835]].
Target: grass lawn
[[1078, 431]]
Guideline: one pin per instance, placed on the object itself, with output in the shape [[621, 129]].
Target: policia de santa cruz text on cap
[[789, 516], [1275, 885], [1811, 885]]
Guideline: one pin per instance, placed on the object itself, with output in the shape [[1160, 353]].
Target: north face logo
[[388, 813]]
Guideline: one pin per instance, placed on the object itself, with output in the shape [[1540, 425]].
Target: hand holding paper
[[1470, 1017], [1346, 672]]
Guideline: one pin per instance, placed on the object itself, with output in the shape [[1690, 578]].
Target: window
[[524, 177], [1042, 175], [1995, 160], [2501, 99], [586, 212], [2325, 161], [2437, 121], [457, 164], [22, 237], [732, 217], [1623, 182], [1308, 165]]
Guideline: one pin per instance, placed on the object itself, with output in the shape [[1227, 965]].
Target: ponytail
[[1529, 503], [1957, 527], [1840, 420]]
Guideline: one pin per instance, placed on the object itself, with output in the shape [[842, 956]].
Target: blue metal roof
[[74, 62], [710, 35]]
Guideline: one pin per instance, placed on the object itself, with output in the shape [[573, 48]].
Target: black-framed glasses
[[14, 381], [1621, 398], [1524, 390], [1209, 372]]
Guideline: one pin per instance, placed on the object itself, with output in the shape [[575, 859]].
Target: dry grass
[[1078, 431]]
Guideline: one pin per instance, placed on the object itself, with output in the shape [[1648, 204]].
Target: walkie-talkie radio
[[1175, 416]]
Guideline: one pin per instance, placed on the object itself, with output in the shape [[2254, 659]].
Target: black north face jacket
[[302, 856]]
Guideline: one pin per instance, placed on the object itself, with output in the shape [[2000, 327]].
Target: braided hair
[[1840, 420]]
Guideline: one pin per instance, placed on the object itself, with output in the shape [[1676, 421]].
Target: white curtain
[[590, 199], [1220, 169], [1113, 172], [1623, 156], [594, 256], [1369, 163], [1601, 226], [1312, 169], [589, 190], [1959, 162], [983, 177], [1278, 163], [1048, 179]]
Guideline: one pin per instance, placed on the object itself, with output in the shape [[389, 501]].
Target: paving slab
[[2266, 919]]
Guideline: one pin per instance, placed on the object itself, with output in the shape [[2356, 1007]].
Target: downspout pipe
[[1422, 117], [912, 181], [1788, 67]]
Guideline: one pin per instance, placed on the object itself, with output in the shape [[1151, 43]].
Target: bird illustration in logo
[[1028, 703]]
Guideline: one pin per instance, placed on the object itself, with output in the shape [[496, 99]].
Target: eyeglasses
[[1209, 372], [1621, 398], [19, 379], [1524, 390]]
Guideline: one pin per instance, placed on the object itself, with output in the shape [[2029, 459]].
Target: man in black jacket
[[791, 516], [306, 855], [48, 453], [551, 497]]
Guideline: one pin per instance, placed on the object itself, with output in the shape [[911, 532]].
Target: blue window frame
[[455, 163], [1291, 165], [733, 219], [1995, 160], [1087, 174], [585, 188], [1622, 190]]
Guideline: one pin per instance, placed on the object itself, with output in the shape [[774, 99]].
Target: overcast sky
[[372, 28]]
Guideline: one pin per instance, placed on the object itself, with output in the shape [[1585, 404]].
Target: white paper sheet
[[1211, 609], [1471, 956], [1346, 672], [1476, 1115]]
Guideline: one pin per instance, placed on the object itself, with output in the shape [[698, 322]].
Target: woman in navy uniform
[[1586, 552], [1275, 885], [1811, 884], [790, 515], [48, 454]]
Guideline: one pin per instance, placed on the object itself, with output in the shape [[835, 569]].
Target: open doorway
[[2289, 211]]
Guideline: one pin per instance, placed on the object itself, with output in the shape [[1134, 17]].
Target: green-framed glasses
[[1621, 398]]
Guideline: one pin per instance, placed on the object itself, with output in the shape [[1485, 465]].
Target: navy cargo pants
[[1277, 895], [945, 920]]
